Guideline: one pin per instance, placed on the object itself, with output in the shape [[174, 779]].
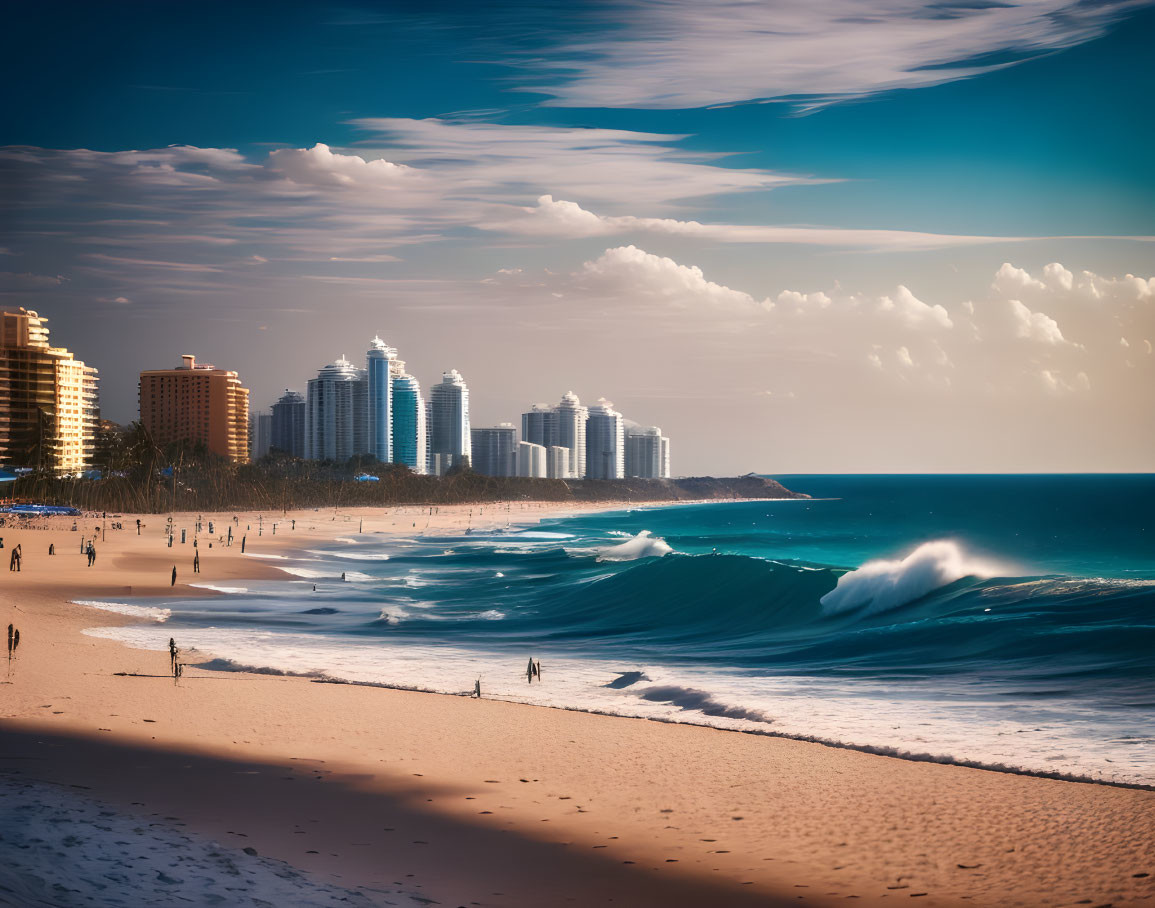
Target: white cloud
[[632, 273], [914, 311], [552, 217], [685, 53], [1009, 279], [1036, 326], [320, 166]]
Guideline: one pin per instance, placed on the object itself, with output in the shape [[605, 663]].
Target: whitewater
[[1005, 622]]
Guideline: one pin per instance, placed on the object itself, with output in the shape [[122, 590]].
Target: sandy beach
[[412, 798]]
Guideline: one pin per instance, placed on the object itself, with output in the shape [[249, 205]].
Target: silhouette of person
[[173, 576], [172, 652], [197, 563]]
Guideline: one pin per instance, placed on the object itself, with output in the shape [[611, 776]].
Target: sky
[[822, 236]]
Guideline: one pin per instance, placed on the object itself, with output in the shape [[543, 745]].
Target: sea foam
[[123, 608]]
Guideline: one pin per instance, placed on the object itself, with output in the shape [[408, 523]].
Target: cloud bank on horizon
[[808, 311]]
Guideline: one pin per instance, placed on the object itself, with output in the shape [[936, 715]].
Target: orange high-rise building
[[197, 403], [48, 399]]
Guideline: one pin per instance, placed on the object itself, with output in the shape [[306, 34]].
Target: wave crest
[[641, 546], [885, 584]]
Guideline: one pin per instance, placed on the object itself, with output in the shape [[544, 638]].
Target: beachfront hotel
[[379, 398], [449, 438], [605, 442], [570, 432], [197, 403], [335, 403], [647, 453], [49, 405]]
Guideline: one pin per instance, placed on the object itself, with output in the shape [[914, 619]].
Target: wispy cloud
[[686, 54]]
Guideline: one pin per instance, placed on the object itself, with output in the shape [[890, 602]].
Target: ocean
[[998, 621]]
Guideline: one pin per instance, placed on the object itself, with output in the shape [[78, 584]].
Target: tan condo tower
[[197, 403]]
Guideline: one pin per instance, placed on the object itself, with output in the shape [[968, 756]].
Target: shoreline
[[435, 721]]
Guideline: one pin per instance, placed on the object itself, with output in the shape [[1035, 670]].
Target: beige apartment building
[[49, 400], [197, 403]]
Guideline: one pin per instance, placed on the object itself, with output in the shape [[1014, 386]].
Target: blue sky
[[970, 121]]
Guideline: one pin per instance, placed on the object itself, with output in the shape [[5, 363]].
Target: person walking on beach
[[197, 563], [91, 552], [173, 576], [531, 671], [137, 526], [11, 641], [477, 689], [243, 538], [12, 560], [173, 652], [52, 548]]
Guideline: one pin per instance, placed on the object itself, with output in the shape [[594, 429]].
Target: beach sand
[[478, 802]]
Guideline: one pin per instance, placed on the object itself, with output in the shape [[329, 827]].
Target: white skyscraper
[[605, 442], [570, 432], [557, 462], [334, 413], [378, 370], [449, 437], [531, 460], [647, 453]]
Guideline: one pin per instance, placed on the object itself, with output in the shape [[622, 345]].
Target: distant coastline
[[275, 487]]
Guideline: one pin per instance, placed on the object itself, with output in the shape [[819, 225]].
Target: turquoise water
[[1007, 621]]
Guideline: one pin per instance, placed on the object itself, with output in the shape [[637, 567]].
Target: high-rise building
[[410, 445], [605, 442], [531, 460], [49, 408], [335, 424], [449, 440], [647, 453], [494, 450], [570, 432], [197, 403], [288, 432], [379, 374], [261, 435], [557, 462], [539, 425]]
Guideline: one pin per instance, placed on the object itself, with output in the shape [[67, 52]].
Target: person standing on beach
[[173, 576], [172, 653], [530, 671], [197, 563], [52, 548], [11, 639], [243, 538]]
